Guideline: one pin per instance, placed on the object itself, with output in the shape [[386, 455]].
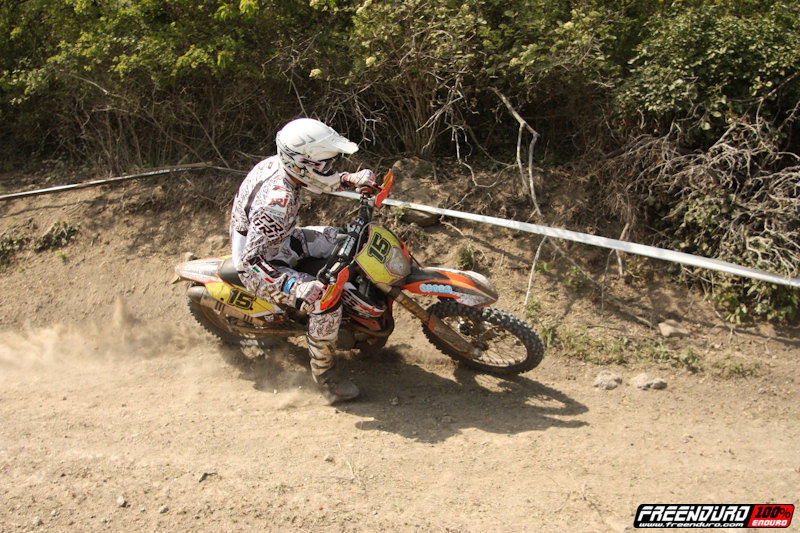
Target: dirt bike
[[369, 271]]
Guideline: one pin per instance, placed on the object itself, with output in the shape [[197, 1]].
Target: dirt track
[[119, 413]]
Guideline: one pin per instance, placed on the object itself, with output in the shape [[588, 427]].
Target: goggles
[[325, 167]]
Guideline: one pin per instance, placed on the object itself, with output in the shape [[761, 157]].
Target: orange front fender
[[466, 287]]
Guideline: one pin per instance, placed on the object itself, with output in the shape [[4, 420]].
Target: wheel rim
[[496, 346], [228, 324], [242, 329]]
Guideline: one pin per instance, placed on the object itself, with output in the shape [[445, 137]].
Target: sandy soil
[[119, 413]]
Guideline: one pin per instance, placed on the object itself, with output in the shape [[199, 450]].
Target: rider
[[267, 243]]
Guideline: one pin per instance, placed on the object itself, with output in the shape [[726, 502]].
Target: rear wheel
[[504, 344], [234, 331]]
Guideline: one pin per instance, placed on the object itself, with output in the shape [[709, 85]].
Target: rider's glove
[[308, 292], [363, 180]]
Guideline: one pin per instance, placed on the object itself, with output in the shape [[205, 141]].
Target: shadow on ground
[[427, 405]]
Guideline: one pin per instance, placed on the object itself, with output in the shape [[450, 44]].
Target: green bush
[[414, 70], [123, 84], [705, 63], [10, 243], [128, 84]]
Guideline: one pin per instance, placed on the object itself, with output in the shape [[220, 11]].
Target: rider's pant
[[323, 327]]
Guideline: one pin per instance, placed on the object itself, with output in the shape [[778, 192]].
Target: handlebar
[[336, 271]]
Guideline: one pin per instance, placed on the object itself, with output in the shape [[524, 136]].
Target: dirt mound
[[120, 413]]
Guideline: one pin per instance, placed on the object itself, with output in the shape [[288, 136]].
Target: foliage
[[466, 257], [418, 60], [59, 235], [123, 84], [10, 243], [715, 92], [703, 64], [575, 279], [623, 351], [738, 201], [137, 82], [129, 84]]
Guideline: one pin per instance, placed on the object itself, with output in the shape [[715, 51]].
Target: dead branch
[[533, 270], [523, 126]]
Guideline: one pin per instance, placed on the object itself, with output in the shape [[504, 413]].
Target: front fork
[[435, 324]]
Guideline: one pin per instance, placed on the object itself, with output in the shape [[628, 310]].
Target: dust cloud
[[121, 337], [123, 347]]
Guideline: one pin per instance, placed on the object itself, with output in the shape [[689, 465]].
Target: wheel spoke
[[498, 347], [504, 343], [236, 331]]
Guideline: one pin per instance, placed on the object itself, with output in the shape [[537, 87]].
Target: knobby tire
[[211, 322], [498, 321]]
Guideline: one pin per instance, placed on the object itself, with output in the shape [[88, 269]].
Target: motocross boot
[[335, 386]]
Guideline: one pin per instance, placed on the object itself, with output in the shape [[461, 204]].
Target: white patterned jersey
[[266, 241]]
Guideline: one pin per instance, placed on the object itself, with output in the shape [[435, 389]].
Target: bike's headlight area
[[397, 264]]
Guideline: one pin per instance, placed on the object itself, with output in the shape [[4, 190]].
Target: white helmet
[[308, 150]]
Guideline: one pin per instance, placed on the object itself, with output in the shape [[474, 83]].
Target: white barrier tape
[[82, 185], [604, 242]]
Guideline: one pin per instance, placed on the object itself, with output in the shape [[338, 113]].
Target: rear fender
[[466, 287], [201, 270], [206, 271]]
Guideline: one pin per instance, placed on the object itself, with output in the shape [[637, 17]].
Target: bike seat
[[228, 273], [311, 265]]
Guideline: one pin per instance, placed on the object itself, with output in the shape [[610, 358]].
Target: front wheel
[[504, 343]]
